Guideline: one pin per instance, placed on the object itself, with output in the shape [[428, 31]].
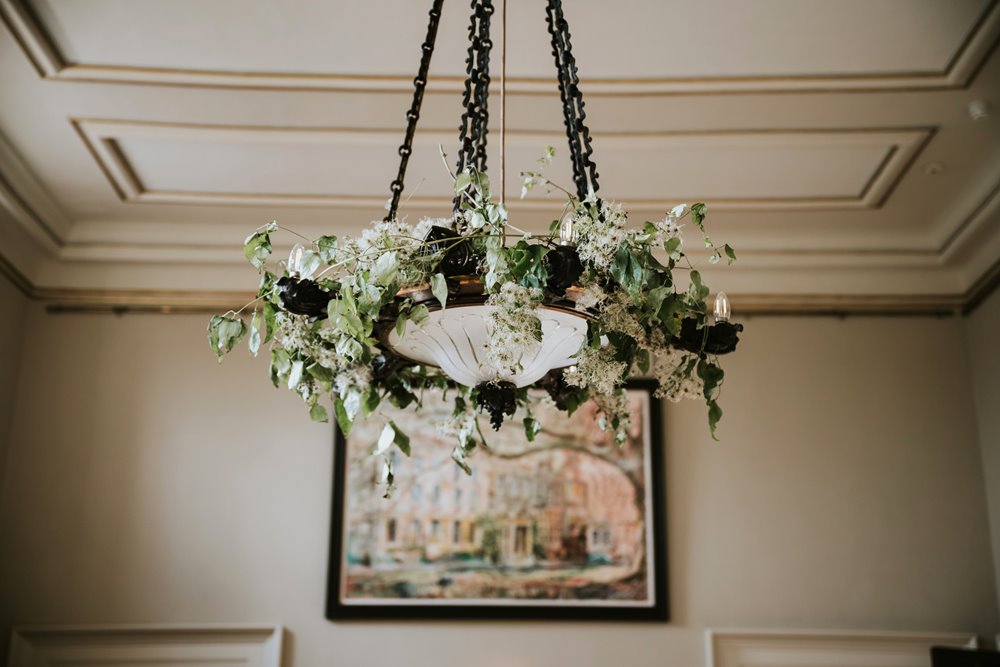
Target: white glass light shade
[[455, 340]]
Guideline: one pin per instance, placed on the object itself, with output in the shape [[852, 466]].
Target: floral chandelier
[[475, 307]]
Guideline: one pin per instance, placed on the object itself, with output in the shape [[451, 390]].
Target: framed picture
[[567, 526]]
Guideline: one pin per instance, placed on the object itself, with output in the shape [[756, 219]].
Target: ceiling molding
[[103, 138], [47, 59]]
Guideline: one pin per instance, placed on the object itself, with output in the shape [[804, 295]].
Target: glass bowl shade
[[455, 340]]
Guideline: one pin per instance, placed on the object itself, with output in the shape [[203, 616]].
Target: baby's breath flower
[[515, 327], [596, 370], [674, 370]]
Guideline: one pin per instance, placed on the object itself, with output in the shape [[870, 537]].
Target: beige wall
[[148, 484], [982, 330]]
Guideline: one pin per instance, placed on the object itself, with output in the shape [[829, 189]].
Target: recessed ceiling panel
[[779, 169]]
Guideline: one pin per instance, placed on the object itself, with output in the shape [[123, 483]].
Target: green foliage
[[439, 288], [257, 246], [632, 273], [318, 413], [224, 333], [254, 341]]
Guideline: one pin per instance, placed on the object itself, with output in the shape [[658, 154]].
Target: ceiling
[[832, 139]]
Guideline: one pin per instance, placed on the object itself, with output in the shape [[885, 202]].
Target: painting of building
[[560, 520]]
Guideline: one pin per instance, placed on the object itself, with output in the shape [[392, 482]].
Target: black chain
[[419, 83], [475, 118], [574, 114]]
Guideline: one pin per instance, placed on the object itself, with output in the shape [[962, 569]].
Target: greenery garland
[[324, 315]]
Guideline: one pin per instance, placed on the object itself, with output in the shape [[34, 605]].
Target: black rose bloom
[[720, 338], [303, 297], [564, 268], [459, 258]]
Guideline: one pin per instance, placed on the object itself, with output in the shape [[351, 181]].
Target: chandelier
[[472, 305]]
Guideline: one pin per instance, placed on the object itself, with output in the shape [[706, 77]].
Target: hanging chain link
[[419, 84], [475, 119], [574, 115]]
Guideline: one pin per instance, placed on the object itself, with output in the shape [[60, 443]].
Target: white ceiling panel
[[661, 39]]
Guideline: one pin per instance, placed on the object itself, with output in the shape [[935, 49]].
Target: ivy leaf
[[714, 415], [730, 253], [642, 361], [439, 287], [270, 313], [385, 440], [309, 263], [370, 401], [343, 421], [698, 212], [419, 314], [295, 374], [386, 267], [462, 181], [673, 248], [257, 246], [400, 439], [318, 413], [224, 333], [254, 341], [401, 324], [712, 376], [458, 456], [387, 477], [531, 428], [327, 248]]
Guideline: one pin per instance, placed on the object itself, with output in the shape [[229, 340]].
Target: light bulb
[[567, 234], [722, 308], [295, 259]]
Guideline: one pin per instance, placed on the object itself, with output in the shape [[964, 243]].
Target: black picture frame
[[659, 611]]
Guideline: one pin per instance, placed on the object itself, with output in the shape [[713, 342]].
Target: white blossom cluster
[[591, 297], [515, 328], [599, 227], [292, 332], [676, 382], [616, 315], [611, 406], [460, 426], [668, 228], [596, 370], [350, 384]]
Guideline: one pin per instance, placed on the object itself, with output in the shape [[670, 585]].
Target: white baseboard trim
[[826, 648], [141, 645]]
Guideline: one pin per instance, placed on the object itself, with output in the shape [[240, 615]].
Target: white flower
[[515, 329], [596, 370], [292, 332], [616, 315], [591, 297], [675, 371], [599, 227], [461, 426]]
